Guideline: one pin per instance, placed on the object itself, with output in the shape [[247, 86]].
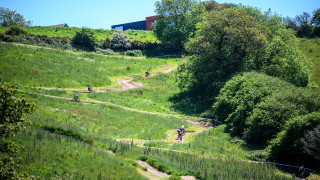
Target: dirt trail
[[127, 84], [153, 170], [206, 124], [158, 174]]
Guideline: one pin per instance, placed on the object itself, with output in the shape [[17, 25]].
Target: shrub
[[15, 31], [270, 116], [106, 44], [138, 45], [288, 143], [311, 143], [84, 40], [239, 96], [285, 60], [133, 53], [120, 41]]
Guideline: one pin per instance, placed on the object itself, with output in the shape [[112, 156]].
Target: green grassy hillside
[[311, 48], [69, 140], [47, 68]]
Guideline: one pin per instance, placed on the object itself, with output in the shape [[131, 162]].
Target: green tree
[[230, 41], [291, 142], [284, 59], [177, 20], [316, 18], [311, 142], [214, 6], [84, 40], [13, 112], [270, 116], [240, 95], [10, 18]]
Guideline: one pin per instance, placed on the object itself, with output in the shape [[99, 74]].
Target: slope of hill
[[311, 48], [65, 134]]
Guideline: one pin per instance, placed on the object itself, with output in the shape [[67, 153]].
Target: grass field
[[50, 156], [38, 67], [311, 48]]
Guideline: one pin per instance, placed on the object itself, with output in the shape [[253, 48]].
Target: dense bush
[[239, 96], [84, 40], [270, 116], [285, 60], [221, 48], [288, 144], [133, 53], [15, 30], [120, 41], [311, 143]]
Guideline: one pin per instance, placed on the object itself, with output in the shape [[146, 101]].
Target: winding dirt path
[[127, 84], [155, 174]]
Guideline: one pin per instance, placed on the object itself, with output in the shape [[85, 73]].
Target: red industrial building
[[138, 25], [149, 21]]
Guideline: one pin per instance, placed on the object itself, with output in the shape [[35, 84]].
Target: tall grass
[[311, 48], [201, 167], [101, 120], [50, 156]]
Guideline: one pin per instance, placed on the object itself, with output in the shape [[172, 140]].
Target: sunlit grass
[[50, 156], [38, 67]]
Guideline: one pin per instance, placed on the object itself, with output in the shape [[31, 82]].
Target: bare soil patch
[[153, 170], [206, 124]]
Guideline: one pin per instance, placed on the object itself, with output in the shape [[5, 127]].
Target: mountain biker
[[179, 134], [147, 73], [183, 130], [89, 88], [76, 97]]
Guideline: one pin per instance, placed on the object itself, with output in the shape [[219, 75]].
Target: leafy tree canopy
[[226, 44], [177, 20], [214, 6], [316, 18], [10, 18]]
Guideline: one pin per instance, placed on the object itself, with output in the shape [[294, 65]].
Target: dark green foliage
[[316, 18], [177, 21], [13, 112], [133, 53], [224, 46], [285, 60], [15, 30], [311, 143], [288, 144], [239, 96], [12, 18], [84, 40], [106, 44], [272, 113]]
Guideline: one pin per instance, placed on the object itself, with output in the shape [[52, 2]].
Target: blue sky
[[104, 13]]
